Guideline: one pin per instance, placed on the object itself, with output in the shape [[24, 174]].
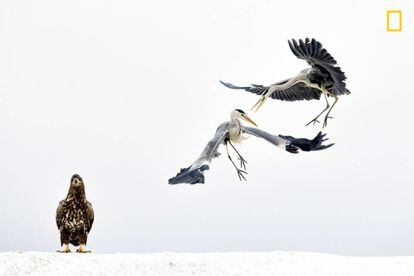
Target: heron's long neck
[[235, 131], [234, 118]]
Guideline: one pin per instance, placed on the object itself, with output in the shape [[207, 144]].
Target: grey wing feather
[[296, 92], [317, 56], [195, 173], [289, 143], [210, 150], [273, 139], [254, 88]]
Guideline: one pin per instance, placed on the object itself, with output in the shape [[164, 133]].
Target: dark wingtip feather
[[306, 144], [232, 86], [322, 147], [292, 149], [290, 45], [189, 176]]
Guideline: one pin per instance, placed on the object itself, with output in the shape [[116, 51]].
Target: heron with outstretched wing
[[232, 132], [324, 77]]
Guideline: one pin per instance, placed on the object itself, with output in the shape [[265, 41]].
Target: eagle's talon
[[63, 251], [81, 250], [66, 250]]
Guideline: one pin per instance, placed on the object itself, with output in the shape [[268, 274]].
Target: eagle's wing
[[297, 92], [90, 215], [195, 173], [290, 143], [317, 56], [59, 214]]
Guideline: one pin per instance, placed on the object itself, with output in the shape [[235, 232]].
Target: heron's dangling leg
[[325, 122], [239, 171], [243, 161], [315, 120], [261, 101]]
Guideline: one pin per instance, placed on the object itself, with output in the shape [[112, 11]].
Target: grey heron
[[324, 77], [234, 132]]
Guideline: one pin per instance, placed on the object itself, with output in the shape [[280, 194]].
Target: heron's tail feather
[[306, 144], [189, 176], [232, 86]]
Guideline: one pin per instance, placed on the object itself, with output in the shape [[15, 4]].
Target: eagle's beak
[[77, 183], [247, 119]]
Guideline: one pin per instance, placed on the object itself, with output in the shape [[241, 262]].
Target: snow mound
[[237, 263]]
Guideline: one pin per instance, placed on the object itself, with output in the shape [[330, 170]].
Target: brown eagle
[[74, 217]]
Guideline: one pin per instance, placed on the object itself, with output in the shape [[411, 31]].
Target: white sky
[[126, 93]]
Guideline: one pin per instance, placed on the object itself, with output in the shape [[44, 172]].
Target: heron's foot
[[325, 121], [66, 250], [314, 121], [243, 162], [82, 250], [240, 174]]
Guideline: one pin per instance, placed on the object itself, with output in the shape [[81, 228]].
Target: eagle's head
[[76, 184]]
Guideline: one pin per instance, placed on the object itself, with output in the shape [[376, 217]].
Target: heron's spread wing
[[308, 145], [296, 92], [210, 150], [195, 173], [273, 139], [317, 56], [254, 88], [290, 143]]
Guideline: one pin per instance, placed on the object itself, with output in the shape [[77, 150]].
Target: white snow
[[237, 263]]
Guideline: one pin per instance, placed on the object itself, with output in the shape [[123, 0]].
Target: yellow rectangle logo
[[394, 21]]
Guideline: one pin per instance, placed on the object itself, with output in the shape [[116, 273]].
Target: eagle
[[74, 217]]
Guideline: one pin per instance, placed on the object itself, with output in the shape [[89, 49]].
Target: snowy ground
[[238, 263]]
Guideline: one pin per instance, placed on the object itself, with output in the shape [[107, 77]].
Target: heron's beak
[[247, 119]]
